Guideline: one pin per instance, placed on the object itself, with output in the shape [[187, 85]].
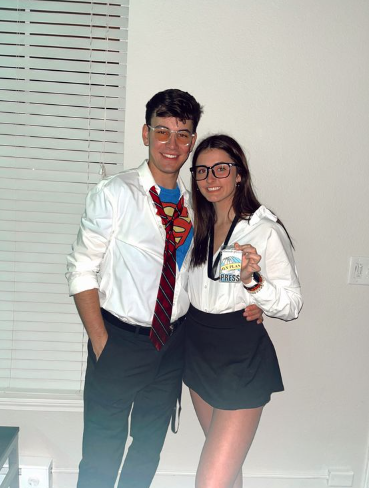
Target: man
[[128, 275]]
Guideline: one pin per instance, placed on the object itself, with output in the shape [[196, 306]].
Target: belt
[[136, 329]]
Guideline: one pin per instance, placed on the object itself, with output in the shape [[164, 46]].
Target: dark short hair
[[174, 103]]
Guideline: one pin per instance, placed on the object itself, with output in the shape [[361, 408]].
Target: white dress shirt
[[119, 248], [280, 295]]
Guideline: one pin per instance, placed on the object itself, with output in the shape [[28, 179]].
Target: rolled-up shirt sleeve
[[88, 250], [280, 295]]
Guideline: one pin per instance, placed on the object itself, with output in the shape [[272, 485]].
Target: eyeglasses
[[162, 134], [219, 170]]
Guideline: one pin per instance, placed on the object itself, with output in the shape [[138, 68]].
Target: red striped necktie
[[160, 327]]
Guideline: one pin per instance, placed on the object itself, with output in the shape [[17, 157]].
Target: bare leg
[[203, 410], [204, 413], [229, 435]]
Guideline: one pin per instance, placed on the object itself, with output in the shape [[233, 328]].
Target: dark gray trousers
[[131, 375]]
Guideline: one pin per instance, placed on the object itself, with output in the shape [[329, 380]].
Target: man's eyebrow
[[165, 127]]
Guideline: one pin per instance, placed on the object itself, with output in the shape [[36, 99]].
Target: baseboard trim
[[191, 475]]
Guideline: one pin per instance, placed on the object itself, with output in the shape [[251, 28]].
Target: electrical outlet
[[359, 271], [35, 472]]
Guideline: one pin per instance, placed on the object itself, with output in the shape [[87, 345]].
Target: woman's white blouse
[[281, 294]]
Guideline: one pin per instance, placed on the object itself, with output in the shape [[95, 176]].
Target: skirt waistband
[[228, 320]]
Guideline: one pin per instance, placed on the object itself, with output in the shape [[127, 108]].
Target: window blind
[[62, 105]]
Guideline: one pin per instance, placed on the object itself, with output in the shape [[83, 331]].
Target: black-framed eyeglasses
[[219, 170], [162, 134]]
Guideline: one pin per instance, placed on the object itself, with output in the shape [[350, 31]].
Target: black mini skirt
[[230, 362]]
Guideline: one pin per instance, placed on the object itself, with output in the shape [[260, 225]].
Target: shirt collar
[[262, 213], [147, 181]]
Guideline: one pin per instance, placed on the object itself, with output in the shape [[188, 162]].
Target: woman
[[231, 366]]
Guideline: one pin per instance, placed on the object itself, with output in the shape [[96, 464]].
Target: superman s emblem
[[182, 225]]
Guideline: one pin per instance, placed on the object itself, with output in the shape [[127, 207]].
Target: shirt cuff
[[281, 303], [80, 283]]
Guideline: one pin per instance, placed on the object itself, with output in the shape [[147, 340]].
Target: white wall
[[290, 80]]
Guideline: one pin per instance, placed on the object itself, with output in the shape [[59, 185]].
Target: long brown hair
[[244, 203]]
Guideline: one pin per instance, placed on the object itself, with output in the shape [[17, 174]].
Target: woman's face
[[217, 190]]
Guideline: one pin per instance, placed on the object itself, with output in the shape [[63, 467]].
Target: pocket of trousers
[[92, 354]]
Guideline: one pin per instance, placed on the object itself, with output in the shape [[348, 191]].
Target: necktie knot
[[166, 219]]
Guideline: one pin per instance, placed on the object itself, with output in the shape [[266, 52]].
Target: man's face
[[167, 158]]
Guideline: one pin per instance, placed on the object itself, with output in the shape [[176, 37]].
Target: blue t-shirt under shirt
[[182, 227]]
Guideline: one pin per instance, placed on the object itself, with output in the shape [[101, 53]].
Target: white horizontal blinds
[[62, 101]]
